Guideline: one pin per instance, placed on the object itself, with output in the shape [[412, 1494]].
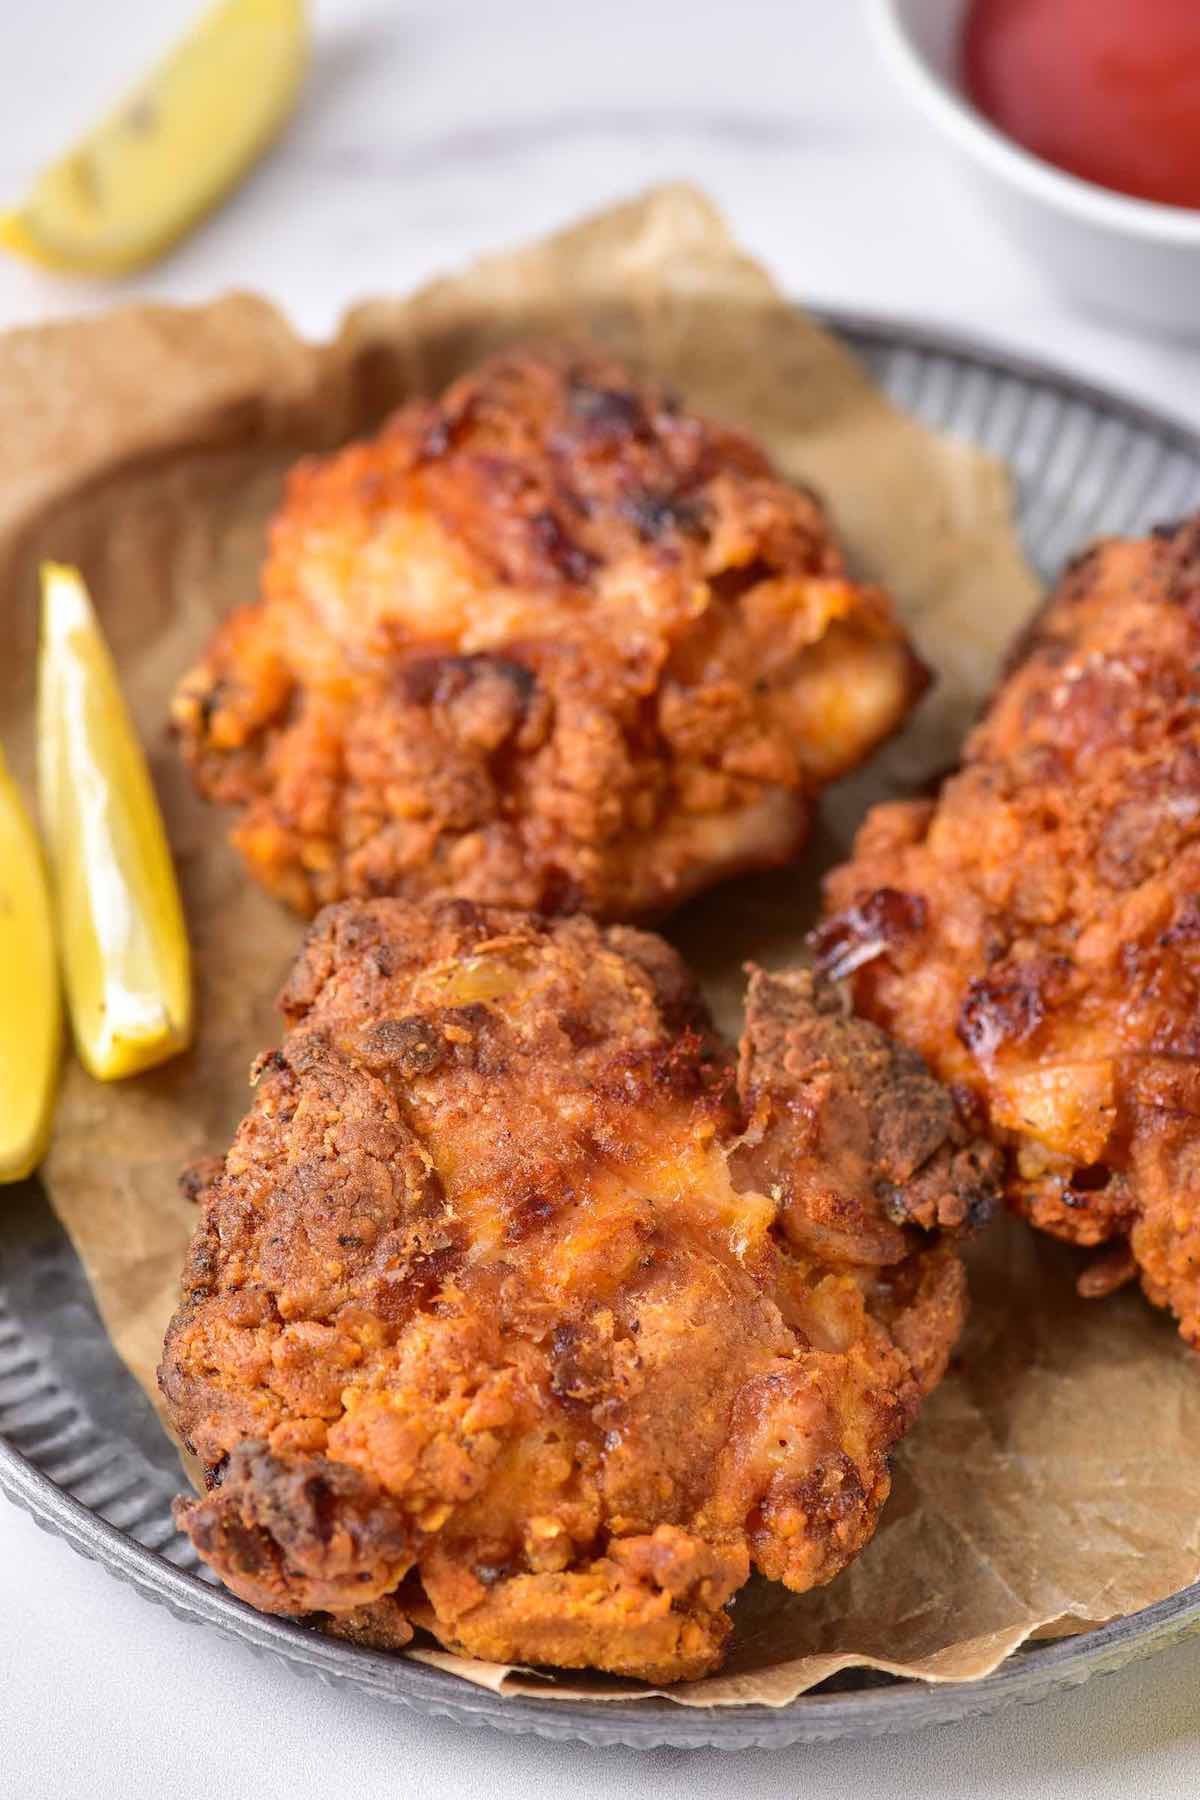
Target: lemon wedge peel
[[121, 930], [172, 148], [30, 1001]]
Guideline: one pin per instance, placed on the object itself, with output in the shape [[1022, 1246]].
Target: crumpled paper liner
[[1054, 1478]]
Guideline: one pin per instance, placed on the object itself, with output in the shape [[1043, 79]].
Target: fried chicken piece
[[522, 1312], [551, 642], [1035, 933]]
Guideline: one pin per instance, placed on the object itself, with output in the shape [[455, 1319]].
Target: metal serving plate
[[80, 1446]]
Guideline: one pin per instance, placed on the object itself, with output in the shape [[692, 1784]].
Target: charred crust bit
[[319, 1498], [202, 1266], [877, 923], [436, 680], [654, 516], [837, 1487], [523, 680], [570, 1378], [1071, 1199], [244, 1549], [436, 441], [954, 1190], [397, 1296], [977, 1181], [198, 1177], [571, 560], [382, 960], [311, 1054], [491, 1574], [686, 1068], [1007, 1008], [606, 413], [340, 933], [381, 1625], [970, 1107], [833, 1494], [446, 425], [411, 1045], [298, 1499], [208, 702], [464, 917], [932, 1178], [528, 1215], [1185, 927], [271, 1062]]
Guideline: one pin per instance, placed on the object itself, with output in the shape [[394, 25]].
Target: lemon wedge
[[171, 148], [30, 1007], [120, 922]]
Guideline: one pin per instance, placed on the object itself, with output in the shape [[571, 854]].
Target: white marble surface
[[432, 130]]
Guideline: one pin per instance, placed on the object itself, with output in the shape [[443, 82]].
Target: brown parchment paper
[[1054, 1479]]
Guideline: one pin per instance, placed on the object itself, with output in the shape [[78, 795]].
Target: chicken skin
[[1035, 932], [550, 642], [522, 1311]]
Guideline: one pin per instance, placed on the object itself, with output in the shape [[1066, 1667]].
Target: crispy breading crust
[[551, 642], [1035, 933], [520, 1311]]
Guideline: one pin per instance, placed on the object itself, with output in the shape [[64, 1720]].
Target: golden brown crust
[[550, 642], [517, 1311], [1036, 933]]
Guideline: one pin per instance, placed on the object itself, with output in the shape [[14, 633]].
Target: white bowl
[[1133, 258]]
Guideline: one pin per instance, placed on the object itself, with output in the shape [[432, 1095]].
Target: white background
[[431, 131]]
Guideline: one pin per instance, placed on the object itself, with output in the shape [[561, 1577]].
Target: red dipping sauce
[[1106, 89]]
